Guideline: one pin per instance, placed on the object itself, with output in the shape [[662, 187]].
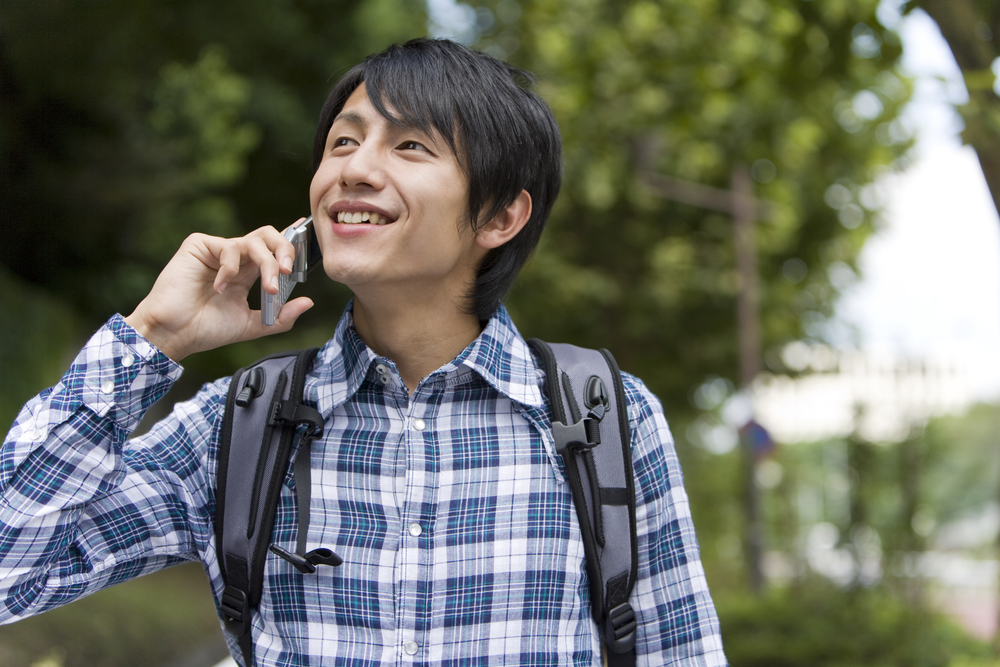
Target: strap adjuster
[[291, 412], [235, 610], [306, 564], [619, 628]]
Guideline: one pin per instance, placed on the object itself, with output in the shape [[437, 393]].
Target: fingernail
[[287, 263], [274, 282], [222, 287]]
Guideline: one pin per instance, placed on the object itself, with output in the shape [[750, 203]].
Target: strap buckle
[[235, 610], [584, 434], [619, 628]]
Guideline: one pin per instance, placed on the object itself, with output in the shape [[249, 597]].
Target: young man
[[435, 479]]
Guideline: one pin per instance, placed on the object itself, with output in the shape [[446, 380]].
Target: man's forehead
[[353, 111], [359, 110]]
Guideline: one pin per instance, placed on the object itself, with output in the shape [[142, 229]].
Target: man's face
[[410, 195]]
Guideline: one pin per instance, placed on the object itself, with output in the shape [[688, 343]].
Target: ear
[[507, 224]]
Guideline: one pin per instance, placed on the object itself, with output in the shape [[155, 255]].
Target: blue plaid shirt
[[458, 532]]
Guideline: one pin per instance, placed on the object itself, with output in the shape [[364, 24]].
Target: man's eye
[[413, 146], [342, 141]]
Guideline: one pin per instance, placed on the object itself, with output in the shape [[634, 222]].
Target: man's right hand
[[199, 300]]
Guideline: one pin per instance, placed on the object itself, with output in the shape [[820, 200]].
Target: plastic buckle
[[584, 434], [619, 628], [235, 610]]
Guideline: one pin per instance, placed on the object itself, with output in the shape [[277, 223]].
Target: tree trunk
[[972, 30]]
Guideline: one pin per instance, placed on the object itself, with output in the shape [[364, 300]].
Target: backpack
[[264, 411]]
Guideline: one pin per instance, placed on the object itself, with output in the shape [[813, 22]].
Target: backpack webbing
[[263, 412], [591, 432]]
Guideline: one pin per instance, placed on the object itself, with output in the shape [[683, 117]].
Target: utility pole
[[748, 326], [739, 203]]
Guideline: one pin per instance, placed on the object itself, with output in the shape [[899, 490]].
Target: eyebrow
[[352, 118]]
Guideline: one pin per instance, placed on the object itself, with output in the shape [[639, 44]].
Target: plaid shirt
[[459, 536]]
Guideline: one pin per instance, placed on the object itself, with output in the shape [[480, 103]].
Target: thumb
[[287, 316]]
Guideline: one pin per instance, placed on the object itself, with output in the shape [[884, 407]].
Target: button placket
[[421, 465]]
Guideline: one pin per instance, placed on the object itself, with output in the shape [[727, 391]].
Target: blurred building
[[831, 393]]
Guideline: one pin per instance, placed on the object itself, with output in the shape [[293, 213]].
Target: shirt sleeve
[[677, 623], [81, 506]]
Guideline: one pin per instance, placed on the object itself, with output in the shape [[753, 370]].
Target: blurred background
[[779, 213]]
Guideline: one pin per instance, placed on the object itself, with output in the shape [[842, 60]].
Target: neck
[[419, 337]]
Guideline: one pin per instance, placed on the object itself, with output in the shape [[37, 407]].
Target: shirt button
[[128, 360], [411, 648], [108, 387], [38, 434], [415, 530], [419, 424], [381, 369]]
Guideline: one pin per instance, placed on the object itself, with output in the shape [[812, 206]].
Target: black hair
[[503, 134]]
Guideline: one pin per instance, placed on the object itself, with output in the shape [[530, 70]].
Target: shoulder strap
[[591, 432], [263, 410]]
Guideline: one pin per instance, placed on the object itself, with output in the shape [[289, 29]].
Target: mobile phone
[[307, 257]]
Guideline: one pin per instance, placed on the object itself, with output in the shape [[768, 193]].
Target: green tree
[[125, 126], [805, 94]]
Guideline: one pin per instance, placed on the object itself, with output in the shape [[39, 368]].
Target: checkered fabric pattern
[[458, 533]]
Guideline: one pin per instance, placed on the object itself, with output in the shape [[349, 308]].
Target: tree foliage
[[822, 626], [805, 94], [126, 126]]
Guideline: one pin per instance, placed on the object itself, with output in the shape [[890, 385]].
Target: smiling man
[[412, 265], [436, 477]]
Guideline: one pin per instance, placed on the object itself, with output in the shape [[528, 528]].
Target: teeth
[[357, 218]]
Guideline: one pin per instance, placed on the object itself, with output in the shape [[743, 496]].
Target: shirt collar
[[499, 355], [502, 357]]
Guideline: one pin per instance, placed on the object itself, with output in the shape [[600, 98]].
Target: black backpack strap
[[591, 432], [263, 411]]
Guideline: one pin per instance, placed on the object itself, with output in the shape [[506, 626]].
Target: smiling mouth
[[361, 218]]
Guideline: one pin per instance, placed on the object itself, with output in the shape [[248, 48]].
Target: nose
[[363, 167]]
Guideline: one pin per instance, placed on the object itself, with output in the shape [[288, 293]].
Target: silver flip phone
[[307, 256]]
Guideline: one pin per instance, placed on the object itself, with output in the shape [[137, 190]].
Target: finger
[[286, 254], [257, 250], [230, 258], [280, 247]]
